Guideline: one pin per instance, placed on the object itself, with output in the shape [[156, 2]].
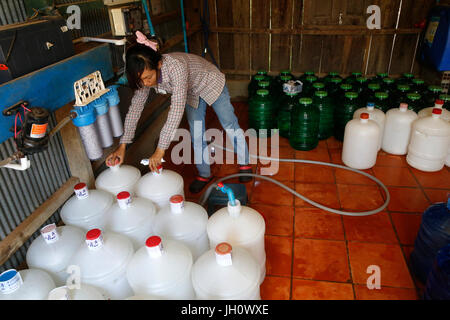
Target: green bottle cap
[[418, 81], [318, 85], [374, 86], [262, 72], [408, 75], [334, 74], [263, 84], [413, 96], [321, 94], [285, 78], [292, 93], [309, 73], [346, 86], [361, 79], [388, 80], [336, 80], [357, 74], [285, 72], [351, 95], [435, 89], [381, 95], [305, 101], [445, 97], [259, 77], [403, 87], [262, 92], [311, 78], [382, 74]]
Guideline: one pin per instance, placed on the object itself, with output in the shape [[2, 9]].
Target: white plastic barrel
[[374, 114], [84, 292], [430, 140], [160, 186], [184, 221], [239, 226], [132, 217], [162, 269], [360, 147], [103, 261], [226, 273], [397, 130], [87, 208], [53, 250], [28, 284], [117, 179]]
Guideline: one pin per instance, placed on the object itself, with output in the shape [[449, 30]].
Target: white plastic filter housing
[[132, 217], [53, 256], [103, 261], [34, 284], [162, 269], [239, 226], [117, 179], [360, 146], [87, 208], [430, 140], [376, 115], [184, 221], [397, 130], [85, 292], [221, 274], [159, 187]]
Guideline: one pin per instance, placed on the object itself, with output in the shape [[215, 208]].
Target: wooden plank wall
[[316, 35]]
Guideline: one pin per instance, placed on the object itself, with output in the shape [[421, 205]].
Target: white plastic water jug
[[184, 221], [374, 114], [226, 273], [28, 284], [103, 261], [132, 217], [160, 186], [430, 140], [397, 130], [87, 208], [117, 179], [143, 297], [360, 146], [239, 226], [85, 292], [53, 250], [162, 269]]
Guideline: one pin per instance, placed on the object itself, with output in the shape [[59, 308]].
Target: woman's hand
[[117, 157], [155, 159]]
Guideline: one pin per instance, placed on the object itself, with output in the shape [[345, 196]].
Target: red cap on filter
[[178, 198], [437, 111], [93, 234], [364, 115]]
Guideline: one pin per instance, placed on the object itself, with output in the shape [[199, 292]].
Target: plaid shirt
[[187, 77]]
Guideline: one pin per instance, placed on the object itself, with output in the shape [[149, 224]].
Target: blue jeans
[[225, 112]]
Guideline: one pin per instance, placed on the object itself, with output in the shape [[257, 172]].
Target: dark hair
[[140, 57]]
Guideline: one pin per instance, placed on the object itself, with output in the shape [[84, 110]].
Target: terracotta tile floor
[[314, 254]]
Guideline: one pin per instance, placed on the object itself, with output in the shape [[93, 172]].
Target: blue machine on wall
[[436, 42]]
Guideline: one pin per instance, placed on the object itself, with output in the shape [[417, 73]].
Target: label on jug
[[94, 239], [10, 281], [81, 191], [50, 234], [124, 199], [177, 203]]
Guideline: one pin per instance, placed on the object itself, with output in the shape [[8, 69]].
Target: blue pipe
[[184, 27], [149, 21], [229, 192]]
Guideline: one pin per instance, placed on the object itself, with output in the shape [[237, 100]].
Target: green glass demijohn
[[446, 99], [344, 113], [431, 95], [401, 94], [252, 86], [381, 101], [287, 103], [305, 120], [414, 102], [261, 112], [326, 108]]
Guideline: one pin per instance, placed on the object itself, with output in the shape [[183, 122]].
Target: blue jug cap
[[100, 106], [112, 96], [370, 104], [85, 115]]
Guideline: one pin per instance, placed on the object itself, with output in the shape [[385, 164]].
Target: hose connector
[[229, 192]]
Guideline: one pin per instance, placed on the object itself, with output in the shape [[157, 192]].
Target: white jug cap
[[60, 293], [124, 199], [223, 254], [10, 281], [81, 190], [403, 106], [177, 203], [94, 239], [49, 233], [154, 246], [160, 169]]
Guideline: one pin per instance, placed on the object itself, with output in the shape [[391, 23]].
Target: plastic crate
[[445, 82]]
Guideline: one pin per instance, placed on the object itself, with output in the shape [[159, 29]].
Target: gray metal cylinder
[[116, 121], [104, 130], [91, 141]]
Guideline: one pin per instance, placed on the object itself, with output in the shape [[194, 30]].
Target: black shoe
[[199, 183], [245, 169]]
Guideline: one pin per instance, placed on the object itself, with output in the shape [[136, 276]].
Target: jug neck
[[223, 254], [177, 204], [94, 239], [124, 200], [403, 107], [159, 172], [81, 191], [50, 233], [59, 294], [115, 168], [10, 281], [235, 211], [154, 247]]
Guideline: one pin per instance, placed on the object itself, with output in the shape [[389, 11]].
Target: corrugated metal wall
[[12, 11], [21, 192]]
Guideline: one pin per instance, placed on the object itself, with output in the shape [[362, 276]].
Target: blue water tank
[[438, 283], [436, 43]]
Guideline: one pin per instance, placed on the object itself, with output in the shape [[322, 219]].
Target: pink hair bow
[[142, 39]]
